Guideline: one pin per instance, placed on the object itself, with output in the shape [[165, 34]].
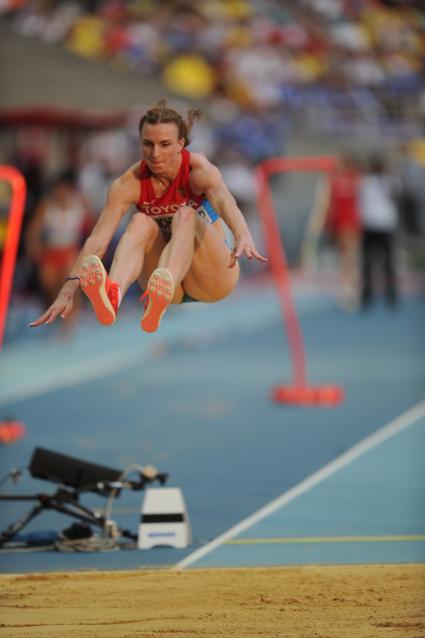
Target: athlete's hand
[[244, 245], [62, 305]]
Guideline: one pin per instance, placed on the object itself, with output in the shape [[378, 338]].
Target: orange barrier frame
[[16, 212], [299, 392]]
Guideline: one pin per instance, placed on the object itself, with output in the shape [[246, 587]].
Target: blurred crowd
[[359, 60]]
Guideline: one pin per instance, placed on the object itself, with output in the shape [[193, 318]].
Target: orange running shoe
[[159, 294], [100, 290]]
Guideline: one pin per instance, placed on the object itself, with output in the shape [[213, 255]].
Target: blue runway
[[367, 506], [193, 400]]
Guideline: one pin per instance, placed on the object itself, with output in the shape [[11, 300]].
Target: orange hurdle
[[299, 392], [16, 211]]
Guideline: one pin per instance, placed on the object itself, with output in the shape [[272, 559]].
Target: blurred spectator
[[30, 157], [56, 232], [379, 222], [93, 184], [343, 224], [189, 75], [259, 55], [87, 37], [411, 195]]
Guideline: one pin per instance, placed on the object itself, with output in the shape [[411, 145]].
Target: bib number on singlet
[[205, 211]]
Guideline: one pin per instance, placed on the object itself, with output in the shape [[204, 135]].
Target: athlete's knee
[[185, 218], [141, 227]]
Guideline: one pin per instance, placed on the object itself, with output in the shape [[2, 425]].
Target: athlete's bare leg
[[141, 237], [197, 257], [349, 245], [142, 249], [178, 254], [209, 277]]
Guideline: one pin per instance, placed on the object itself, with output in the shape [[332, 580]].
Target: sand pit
[[292, 602]]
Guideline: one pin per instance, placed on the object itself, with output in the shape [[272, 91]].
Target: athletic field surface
[[316, 512]]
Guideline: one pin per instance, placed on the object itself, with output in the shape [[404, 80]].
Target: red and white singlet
[[179, 193]]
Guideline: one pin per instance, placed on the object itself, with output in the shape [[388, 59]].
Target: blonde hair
[[161, 114]]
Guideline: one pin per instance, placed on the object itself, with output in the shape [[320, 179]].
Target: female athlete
[[175, 245]]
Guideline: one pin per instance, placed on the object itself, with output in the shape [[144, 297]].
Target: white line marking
[[387, 431]]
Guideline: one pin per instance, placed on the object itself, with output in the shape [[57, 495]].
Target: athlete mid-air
[[175, 245]]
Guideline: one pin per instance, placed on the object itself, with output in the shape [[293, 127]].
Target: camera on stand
[[76, 477]]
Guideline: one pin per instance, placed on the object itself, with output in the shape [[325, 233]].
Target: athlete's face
[[161, 146]]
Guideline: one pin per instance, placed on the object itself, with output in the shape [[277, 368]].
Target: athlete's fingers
[[48, 317], [66, 311], [239, 251], [58, 310], [248, 251], [260, 257], [43, 319], [252, 253]]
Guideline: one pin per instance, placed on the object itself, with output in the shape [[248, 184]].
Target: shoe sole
[[160, 291], [93, 284]]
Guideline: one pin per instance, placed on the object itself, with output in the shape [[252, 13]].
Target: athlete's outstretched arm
[[122, 194], [206, 178]]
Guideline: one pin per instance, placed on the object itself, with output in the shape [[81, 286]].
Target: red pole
[[279, 268], [299, 392], [16, 211]]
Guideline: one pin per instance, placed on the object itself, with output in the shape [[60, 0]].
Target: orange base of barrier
[[11, 431], [306, 395]]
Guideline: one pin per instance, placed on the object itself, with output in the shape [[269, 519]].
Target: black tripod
[[63, 501], [74, 473]]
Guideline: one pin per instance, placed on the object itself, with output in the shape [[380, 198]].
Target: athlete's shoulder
[[202, 168], [199, 161], [204, 174]]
